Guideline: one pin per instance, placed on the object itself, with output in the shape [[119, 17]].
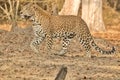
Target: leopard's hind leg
[[88, 51], [86, 47]]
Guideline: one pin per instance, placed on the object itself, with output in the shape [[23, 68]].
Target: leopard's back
[[66, 23]]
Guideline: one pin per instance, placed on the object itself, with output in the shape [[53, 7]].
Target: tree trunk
[[111, 3], [118, 5], [92, 14], [70, 7]]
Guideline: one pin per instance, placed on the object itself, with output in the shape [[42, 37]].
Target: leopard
[[65, 27]]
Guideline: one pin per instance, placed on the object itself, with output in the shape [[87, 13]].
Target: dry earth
[[19, 62]]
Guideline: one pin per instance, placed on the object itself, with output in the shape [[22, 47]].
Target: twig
[[62, 73]]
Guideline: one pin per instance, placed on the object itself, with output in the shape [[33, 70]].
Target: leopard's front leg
[[35, 42], [39, 36]]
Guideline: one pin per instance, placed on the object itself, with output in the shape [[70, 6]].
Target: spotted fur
[[65, 27]]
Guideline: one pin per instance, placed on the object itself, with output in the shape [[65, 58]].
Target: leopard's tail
[[97, 48]]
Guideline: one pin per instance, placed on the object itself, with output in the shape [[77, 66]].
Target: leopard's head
[[27, 12]]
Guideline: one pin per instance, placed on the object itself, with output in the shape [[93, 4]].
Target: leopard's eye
[[27, 16], [21, 12]]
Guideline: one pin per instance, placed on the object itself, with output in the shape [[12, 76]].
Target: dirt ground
[[19, 62]]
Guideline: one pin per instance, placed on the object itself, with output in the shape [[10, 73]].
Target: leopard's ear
[[35, 6]]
